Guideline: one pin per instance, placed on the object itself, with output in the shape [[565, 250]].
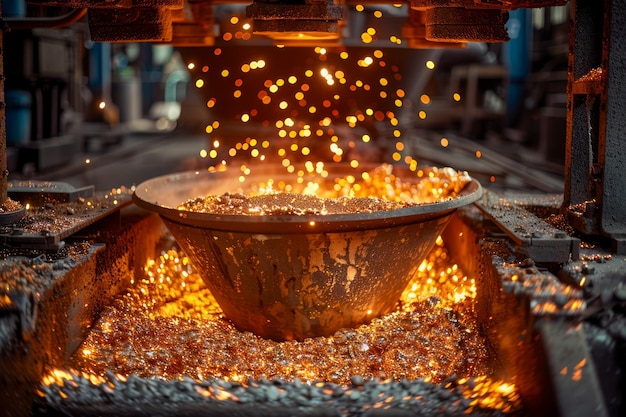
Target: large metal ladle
[[289, 277]]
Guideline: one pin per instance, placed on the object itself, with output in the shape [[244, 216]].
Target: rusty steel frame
[[595, 161], [3, 127], [531, 235]]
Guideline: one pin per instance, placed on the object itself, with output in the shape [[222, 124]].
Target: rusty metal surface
[[30, 323], [595, 162], [276, 18], [551, 348], [414, 31], [614, 164], [486, 4], [10, 217], [45, 316], [53, 223], [132, 24], [297, 276], [311, 18], [586, 44], [458, 24], [293, 286], [163, 194], [583, 346], [4, 173], [288, 11], [42, 192], [531, 235], [601, 276], [572, 369]]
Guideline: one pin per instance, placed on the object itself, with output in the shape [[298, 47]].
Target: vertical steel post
[[585, 54], [612, 158], [595, 159], [3, 126]]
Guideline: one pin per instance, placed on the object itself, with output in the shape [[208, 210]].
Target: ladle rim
[[147, 194]]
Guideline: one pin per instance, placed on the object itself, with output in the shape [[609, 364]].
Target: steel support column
[[595, 161]]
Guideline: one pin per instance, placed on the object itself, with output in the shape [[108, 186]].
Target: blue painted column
[[100, 71], [13, 8], [517, 59]]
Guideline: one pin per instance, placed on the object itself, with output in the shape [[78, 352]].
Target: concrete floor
[[136, 158]]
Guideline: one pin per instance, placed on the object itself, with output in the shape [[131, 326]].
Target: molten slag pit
[[168, 327]]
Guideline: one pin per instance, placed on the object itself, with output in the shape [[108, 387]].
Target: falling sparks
[[337, 106], [307, 103]]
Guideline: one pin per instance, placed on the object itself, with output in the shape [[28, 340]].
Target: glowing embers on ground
[[168, 327]]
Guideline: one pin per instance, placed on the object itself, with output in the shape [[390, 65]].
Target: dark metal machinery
[[594, 163], [595, 160]]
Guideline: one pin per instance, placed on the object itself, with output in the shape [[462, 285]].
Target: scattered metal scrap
[[42, 192], [548, 296], [45, 227]]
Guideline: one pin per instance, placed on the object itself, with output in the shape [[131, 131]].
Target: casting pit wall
[[64, 311], [544, 355], [48, 322]]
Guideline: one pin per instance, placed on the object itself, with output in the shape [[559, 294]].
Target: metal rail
[[12, 23]]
